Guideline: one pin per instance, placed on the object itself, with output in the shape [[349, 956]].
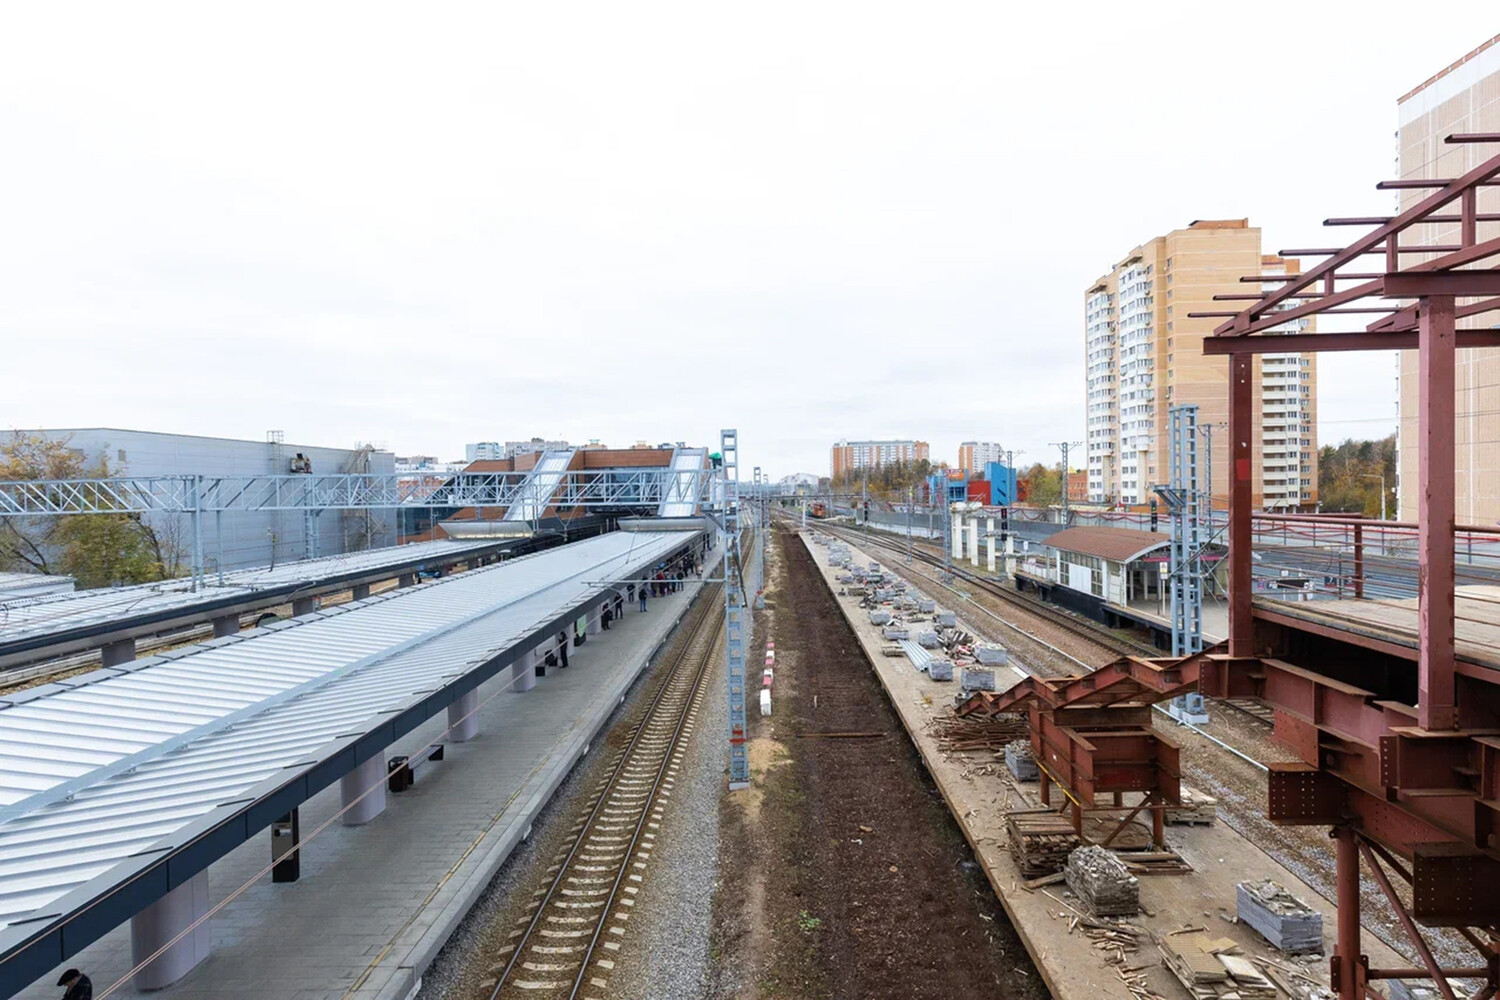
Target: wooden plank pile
[[1103, 883], [1213, 968], [1020, 761], [1040, 842], [1197, 809]]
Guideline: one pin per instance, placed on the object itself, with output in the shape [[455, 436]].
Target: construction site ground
[[978, 791]]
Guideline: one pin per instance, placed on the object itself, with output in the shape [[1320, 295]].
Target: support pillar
[[1347, 964], [463, 717], [304, 606], [524, 671], [117, 652], [369, 775], [1242, 450], [594, 627], [974, 541], [361, 592], [286, 834], [989, 536], [958, 535], [226, 626], [406, 580], [163, 920], [1435, 436]]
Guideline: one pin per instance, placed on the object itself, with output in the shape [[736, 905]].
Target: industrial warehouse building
[[258, 539]]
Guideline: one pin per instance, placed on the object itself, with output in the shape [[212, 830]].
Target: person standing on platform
[[643, 598], [78, 985], [562, 647], [605, 616]]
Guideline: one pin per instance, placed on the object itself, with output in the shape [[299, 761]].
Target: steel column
[[1241, 453], [1347, 966], [1436, 378], [734, 612]]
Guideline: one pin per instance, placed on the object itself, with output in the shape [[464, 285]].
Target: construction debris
[[1281, 918], [1103, 883], [1197, 809], [962, 735], [1020, 761], [1040, 842]]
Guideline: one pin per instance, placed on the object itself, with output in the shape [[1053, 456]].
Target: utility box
[[398, 774], [286, 858]]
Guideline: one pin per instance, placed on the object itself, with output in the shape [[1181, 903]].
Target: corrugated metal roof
[[86, 776], [27, 617], [1114, 544]]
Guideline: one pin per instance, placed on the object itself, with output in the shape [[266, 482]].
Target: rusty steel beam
[[1435, 462], [1377, 237], [1331, 251], [1347, 966], [1299, 343], [1434, 971], [1461, 284], [1242, 448], [1380, 220]]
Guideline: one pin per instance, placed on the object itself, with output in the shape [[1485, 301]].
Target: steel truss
[[1415, 786], [611, 488], [736, 614]]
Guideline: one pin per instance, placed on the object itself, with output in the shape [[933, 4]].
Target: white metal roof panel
[[277, 696], [537, 491], [680, 496], [25, 617]]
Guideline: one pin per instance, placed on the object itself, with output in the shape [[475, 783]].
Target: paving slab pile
[[991, 656], [1103, 883], [1281, 918], [1197, 809], [977, 680], [1020, 761], [940, 670]]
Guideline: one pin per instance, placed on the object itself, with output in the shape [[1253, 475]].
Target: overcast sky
[[806, 221]]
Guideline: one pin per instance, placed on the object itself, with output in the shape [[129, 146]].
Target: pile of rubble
[[1102, 882]]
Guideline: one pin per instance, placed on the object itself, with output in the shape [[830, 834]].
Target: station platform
[[1154, 617], [1391, 624], [979, 794], [375, 903]]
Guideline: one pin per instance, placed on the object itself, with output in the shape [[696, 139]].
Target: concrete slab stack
[[977, 680], [1019, 760], [991, 656], [1281, 918], [940, 670]]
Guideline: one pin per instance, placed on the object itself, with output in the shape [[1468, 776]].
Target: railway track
[[1108, 643], [565, 944]]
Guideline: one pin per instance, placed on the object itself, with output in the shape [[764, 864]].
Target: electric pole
[[1065, 445]]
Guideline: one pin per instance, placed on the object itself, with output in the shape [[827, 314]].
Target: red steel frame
[[1401, 785]]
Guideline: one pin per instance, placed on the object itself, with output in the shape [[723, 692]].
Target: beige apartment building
[[973, 456], [1464, 97], [1143, 355], [850, 456]]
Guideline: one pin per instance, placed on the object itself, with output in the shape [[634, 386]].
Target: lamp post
[[1381, 477]]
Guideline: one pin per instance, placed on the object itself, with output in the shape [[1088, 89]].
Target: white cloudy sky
[[429, 224]]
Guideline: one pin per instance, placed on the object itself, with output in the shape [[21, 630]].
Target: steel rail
[[708, 607]]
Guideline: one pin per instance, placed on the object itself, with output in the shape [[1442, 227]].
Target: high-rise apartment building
[[973, 456], [851, 456], [1464, 97], [1143, 355]]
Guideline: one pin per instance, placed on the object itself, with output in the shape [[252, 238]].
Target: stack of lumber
[[1103, 883], [1020, 761], [1197, 808], [1040, 842], [1249, 982], [1281, 918]]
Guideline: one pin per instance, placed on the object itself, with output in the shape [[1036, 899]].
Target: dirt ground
[[844, 874]]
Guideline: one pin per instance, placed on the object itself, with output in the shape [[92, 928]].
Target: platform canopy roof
[[1121, 545]]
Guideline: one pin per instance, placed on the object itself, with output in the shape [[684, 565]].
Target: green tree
[[1043, 485], [97, 550], [1349, 476]]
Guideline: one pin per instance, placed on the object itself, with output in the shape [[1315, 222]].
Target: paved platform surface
[[375, 903], [1069, 964]]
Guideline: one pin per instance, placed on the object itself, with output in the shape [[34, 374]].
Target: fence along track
[[553, 949]]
